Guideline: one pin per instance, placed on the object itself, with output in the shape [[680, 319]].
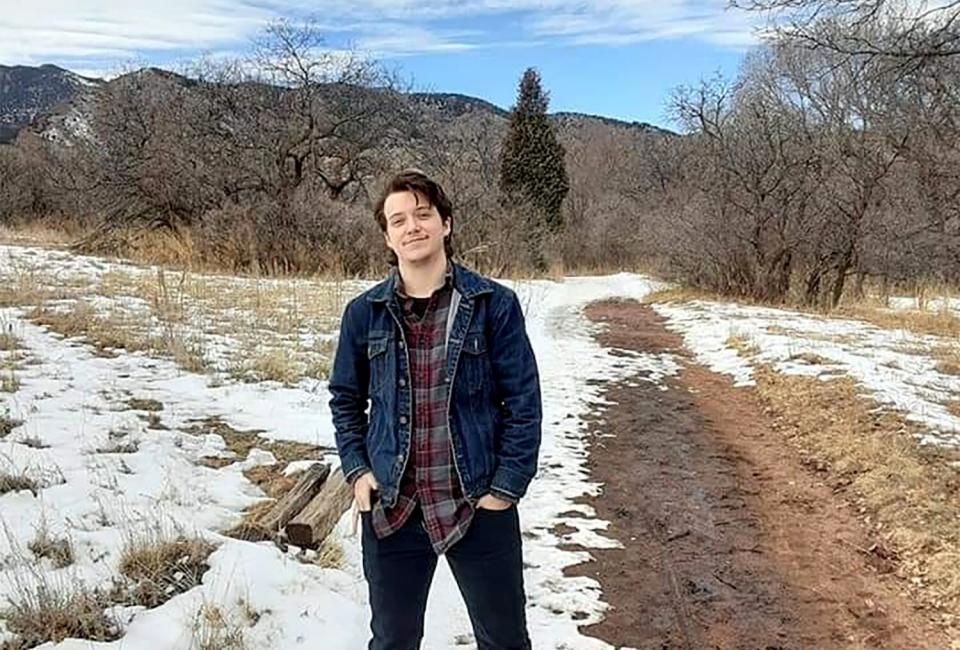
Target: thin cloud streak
[[103, 33]]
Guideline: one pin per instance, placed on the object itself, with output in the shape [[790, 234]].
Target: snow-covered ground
[[899, 369], [932, 305], [73, 401]]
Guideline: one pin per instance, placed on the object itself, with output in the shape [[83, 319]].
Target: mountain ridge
[[30, 94]]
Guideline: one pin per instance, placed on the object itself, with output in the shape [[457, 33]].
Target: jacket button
[[403, 382], [403, 419]]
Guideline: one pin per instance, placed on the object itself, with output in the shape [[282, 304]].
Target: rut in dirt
[[730, 542]]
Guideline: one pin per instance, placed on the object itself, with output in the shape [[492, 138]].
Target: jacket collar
[[467, 283]]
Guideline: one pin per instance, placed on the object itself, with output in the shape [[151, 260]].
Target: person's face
[[415, 231]]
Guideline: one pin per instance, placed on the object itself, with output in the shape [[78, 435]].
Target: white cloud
[[38, 31], [626, 21], [100, 35]]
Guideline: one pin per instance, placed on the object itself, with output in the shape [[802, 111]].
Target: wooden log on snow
[[267, 526], [309, 528]]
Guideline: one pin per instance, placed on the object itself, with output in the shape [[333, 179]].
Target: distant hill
[[53, 99], [28, 92]]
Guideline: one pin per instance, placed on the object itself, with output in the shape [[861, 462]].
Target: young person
[[450, 441]]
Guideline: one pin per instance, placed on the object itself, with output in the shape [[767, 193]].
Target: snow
[[930, 305], [75, 401], [104, 475], [896, 367]]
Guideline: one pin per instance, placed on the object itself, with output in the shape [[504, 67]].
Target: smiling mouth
[[414, 241]]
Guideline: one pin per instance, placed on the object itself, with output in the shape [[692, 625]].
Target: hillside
[[48, 96]]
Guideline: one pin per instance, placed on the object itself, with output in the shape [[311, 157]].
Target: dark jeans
[[486, 564]]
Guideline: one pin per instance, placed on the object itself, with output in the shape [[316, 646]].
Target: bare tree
[[906, 31]]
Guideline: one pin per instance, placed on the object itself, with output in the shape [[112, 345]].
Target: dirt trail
[[730, 542]]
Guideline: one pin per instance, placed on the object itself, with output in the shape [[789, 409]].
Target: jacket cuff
[[503, 496], [350, 475], [509, 483]]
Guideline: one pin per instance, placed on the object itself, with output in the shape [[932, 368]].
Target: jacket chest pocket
[[475, 362], [379, 360]]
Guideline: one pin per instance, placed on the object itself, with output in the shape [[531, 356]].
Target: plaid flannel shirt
[[430, 478]]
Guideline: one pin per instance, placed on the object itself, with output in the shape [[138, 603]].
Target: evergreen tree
[[532, 169]]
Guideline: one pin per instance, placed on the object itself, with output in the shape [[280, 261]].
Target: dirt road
[[730, 542]]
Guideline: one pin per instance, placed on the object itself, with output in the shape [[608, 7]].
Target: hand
[[363, 489], [490, 502]]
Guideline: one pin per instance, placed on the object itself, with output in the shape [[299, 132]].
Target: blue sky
[[619, 58]]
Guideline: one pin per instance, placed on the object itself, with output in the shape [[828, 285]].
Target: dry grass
[[259, 324], [683, 294], [57, 550], [8, 340], [953, 408], [239, 443], [9, 382], [157, 567], [810, 357], [742, 344], [330, 554], [908, 493], [940, 323], [50, 614], [947, 358], [7, 424], [215, 630], [129, 446], [24, 287], [77, 321], [16, 481], [38, 233], [144, 404], [118, 330], [267, 365]]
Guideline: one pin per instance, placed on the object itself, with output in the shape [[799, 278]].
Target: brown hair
[[414, 180]]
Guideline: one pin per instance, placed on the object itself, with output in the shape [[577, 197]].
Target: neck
[[421, 279]]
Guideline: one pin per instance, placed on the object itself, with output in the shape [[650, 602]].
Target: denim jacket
[[494, 407]]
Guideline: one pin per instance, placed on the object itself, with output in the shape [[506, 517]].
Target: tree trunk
[[296, 499], [269, 524], [309, 528], [812, 293], [843, 266]]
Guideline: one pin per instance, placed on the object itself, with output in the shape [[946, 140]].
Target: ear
[[447, 226]]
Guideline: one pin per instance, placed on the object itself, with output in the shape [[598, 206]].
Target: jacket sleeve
[[348, 390], [517, 384]]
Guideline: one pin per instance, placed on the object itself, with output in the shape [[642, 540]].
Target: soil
[[729, 540]]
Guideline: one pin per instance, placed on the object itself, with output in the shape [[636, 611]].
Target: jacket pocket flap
[[375, 347], [475, 343]]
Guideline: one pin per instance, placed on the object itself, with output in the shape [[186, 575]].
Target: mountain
[[28, 92], [54, 100]]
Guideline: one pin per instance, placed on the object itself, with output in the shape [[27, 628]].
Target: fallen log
[[269, 524], [309, 528]]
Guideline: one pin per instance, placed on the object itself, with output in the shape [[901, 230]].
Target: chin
[[413, 257]]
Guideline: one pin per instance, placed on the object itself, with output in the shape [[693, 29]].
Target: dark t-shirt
[[419, 307]]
